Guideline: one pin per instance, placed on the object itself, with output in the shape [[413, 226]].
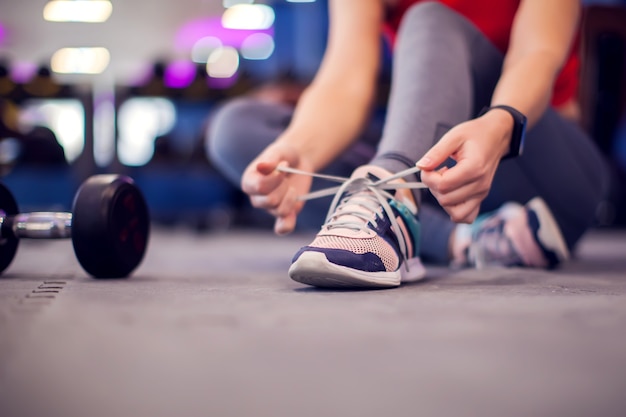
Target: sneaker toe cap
[[367, 261]]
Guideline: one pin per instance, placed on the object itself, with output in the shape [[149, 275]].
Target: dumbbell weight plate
[[110, 226], [8, 242]]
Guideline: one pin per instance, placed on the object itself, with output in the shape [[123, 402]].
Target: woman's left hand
[[477, 147]]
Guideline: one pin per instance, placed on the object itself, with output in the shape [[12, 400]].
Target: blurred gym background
[[96, 86]]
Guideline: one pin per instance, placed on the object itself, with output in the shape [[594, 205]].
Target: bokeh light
[[248, 16], [257, 46], [80, 60], [65, 117], [179, 73], [92, 11], [140, 121], [202, 49], [23, 71], [191, 32], [223, 62], [231, 3]]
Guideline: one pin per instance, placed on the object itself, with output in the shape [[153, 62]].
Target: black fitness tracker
[[519, 130]]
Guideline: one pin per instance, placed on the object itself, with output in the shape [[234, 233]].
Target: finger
[[454, 201], [432, 177], [272, 200], [262, 181], [473, 215], [465, 212], [447, 180], [440, 152], [460, 195], [268, 167], [289, 203], [287, 213], [285, 224]]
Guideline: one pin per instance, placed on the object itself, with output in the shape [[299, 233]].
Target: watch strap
[[516, 145]]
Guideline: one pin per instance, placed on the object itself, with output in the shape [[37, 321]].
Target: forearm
[[527, 84], [541, 38], [333, 110], [326, 121]]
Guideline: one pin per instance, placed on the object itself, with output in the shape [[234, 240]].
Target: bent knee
[[230, 129], [240, 129], [230, 121], [430, 14]]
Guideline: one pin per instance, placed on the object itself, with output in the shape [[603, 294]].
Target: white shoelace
[[365, 203]]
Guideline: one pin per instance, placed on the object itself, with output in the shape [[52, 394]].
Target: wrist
[[299, 148], [516, 122]]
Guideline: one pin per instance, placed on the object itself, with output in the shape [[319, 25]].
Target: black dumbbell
[[109, 226]]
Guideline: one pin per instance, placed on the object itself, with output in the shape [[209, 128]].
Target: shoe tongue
[[375, 178], [374, 173], [352, 205], [372, 177], [370, 172]]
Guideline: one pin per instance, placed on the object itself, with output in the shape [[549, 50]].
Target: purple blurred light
[[3, 34], [194, 30], [222, 83], [22, 71], [179, 74]]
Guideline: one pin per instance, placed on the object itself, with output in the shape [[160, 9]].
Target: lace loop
[[381, 184]]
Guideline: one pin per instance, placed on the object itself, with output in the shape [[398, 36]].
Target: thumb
[[439, 153], [266, 167]]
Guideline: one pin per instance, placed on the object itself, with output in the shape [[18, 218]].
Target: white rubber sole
[[549, 232], [312, 268]]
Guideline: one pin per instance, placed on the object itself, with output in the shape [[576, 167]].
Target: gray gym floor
[[210, 325]]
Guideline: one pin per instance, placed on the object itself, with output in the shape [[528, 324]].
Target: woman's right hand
[[275, 191]]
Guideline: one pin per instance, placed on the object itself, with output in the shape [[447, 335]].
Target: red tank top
[[494, 18]]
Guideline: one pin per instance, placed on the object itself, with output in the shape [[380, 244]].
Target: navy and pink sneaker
[[514, 235], [370, 238]]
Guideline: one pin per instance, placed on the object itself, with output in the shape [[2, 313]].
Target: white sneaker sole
[[312, 268], [549, 232]]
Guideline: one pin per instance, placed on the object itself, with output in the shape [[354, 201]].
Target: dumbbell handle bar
[[37, 225]]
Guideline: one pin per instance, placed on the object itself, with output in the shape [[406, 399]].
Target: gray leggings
[[444, 72]]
